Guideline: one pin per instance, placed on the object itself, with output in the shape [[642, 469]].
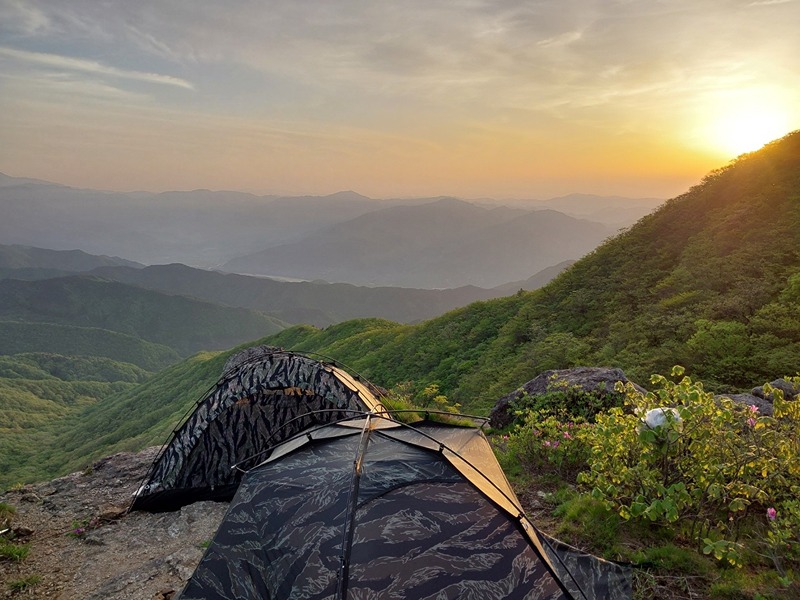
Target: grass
[[14, 552], [7, 512], [588, 522], [24, 583]]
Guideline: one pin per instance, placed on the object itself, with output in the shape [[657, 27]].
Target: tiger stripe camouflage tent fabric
[[372, 508], [265, 396]]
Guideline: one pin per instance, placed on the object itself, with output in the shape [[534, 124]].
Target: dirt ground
[[83, 544]]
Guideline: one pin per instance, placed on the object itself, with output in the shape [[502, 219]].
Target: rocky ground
[[83, 543]]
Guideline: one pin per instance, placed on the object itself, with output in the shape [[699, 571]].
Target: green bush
[[717, 469], [546, 444], [567, 401]]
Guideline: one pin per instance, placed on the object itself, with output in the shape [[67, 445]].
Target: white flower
[[658, 417]]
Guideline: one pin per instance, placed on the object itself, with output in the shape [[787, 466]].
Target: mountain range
[[343, 237], [313, 302], [710, 280]]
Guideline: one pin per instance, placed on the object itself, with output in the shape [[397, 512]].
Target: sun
[[745, 128]]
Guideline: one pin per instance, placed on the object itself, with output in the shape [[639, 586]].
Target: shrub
[[566, 400], [712, 466], [547, 444]]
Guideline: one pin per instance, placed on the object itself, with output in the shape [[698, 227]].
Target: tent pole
[[350, 517]]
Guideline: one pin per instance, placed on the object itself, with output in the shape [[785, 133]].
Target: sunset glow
[[746, 127], [473, 99]]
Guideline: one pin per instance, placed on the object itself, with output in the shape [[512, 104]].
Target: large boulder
[[764, 406], [789, 389], [595, 381]]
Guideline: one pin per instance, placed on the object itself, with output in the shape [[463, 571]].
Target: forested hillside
[[52, 424], [711, 281], [181, 323], [70, 343], [39, 390]]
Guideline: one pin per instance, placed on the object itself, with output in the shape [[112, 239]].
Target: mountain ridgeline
[[313, 302], [344, 237], [444, 244]]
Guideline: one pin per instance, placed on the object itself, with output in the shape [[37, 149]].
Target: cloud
[[430, 73], [89, 66], [561, 39]]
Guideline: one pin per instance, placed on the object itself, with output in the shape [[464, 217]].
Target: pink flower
[[548, 444], [567, 435], [771, 513], [753, 408], [751, 422]]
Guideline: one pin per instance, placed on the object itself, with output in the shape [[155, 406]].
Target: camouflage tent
[[265, 396], [372, 508]]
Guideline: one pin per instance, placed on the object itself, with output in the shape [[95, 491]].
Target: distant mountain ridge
[[28, 257], [617, 211], [200, 227], [316, 303], [534, 282], [313, 302], [446, 243], [207, 228]]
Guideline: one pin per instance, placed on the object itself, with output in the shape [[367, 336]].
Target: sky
[[470, 98]]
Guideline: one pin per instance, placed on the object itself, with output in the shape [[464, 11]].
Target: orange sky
[[466, 98]]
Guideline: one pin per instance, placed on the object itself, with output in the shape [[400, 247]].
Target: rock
[[94, 538], [111, 513], [764, 406], [789, 389], [22, 532], [599, 381], [29, 496], [122, 555]]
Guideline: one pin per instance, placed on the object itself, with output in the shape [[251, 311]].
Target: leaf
[[737, 504], [647, 436]]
